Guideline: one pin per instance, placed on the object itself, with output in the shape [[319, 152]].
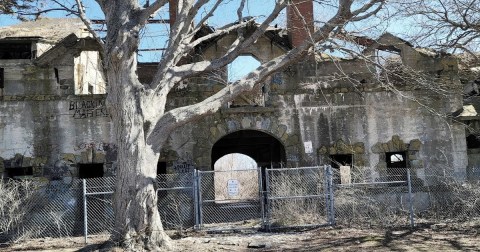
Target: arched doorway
[[265, 149]]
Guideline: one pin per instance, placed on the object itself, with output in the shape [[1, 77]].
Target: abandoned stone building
[[54, 122]]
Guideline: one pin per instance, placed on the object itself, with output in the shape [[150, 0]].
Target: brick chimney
[[172, 9], [297, 32]]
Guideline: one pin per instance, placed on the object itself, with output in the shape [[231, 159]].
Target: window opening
[[93, 170], [238, 69], [90, 89], [16, 50], [241, 67], [57, 77], [473, 142], [341, 176], [161, 167], [396, 166], [18, 172]]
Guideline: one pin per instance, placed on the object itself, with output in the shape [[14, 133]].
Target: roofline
[[33, 38]]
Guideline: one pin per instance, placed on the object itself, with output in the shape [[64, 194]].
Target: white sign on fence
[[232, 187]]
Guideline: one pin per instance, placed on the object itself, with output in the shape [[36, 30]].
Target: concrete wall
[[45, 126], [315, 109], [340, 108]]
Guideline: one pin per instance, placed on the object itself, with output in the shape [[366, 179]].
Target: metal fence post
[[410, 198], [329, 198], [261, 195], [325, 189], [195, 198], [200, 200], [85, 215], [267, 193]]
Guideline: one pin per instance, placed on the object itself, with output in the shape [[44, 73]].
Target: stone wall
[[315, 109]]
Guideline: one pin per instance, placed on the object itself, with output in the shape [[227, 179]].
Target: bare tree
[[449, 25], [141, 123]]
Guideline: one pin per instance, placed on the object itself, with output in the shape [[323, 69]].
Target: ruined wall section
[[45, 127], [357, 115]]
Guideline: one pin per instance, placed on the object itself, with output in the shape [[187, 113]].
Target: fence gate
[[98, 205], [177, 200], [298, 197], [230, 199]]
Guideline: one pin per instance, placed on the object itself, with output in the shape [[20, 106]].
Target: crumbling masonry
[[55, 125]]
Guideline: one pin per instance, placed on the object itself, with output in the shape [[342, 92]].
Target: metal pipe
[[332, 196], [195, 198], [85, 216], [410, 199], [267, 193], [200, 205], [261, 195], [98, 193], [297, 197], [295, 168]]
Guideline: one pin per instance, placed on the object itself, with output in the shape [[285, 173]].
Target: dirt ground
[[438, 237]]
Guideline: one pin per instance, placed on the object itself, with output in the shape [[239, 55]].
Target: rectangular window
[[161, 168], [19, 172], [93, 170], [16, 50], [396, 166]]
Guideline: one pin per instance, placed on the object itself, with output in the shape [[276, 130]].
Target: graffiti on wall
[[183, 167], [88, 109]]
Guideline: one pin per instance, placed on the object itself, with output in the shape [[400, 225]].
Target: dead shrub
[[14, 201]]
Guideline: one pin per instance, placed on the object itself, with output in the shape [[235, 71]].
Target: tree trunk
[[137, 220]]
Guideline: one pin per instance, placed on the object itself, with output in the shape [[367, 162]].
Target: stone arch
[[264, 148], [246, 118]]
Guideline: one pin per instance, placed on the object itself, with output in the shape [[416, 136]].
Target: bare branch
[[179, 116], [88, 24], [150, 10]]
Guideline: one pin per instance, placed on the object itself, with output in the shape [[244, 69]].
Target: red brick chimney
[[172, 9], [297, 31]]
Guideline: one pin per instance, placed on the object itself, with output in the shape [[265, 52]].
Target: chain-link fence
[[366, 198], [446, 199], [42, 209], [239, 199], [177, 200], [296, 197], [230, 199], [97, 205]]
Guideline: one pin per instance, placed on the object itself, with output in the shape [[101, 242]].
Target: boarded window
[[340, 161]]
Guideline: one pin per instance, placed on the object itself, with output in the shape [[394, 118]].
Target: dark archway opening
[[265, 149]]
